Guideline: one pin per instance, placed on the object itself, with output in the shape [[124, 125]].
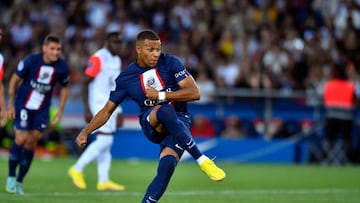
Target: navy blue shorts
[[31, 119], [164, 139]]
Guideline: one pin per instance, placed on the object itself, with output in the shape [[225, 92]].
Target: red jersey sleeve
[[93, 67]]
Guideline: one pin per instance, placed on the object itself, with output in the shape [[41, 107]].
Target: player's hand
[[11, 112], [81, 139], [3, 117], [151, 93], [56, 118]]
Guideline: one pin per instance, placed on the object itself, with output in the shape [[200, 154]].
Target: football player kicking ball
[[161, 86]]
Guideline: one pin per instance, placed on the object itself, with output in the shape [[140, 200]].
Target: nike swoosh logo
[[154, 200], [178, 146]]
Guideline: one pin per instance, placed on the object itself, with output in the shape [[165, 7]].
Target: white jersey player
[[100, 74]]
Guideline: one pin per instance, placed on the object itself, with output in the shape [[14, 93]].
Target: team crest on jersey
[[152, 78], [151, 81], [45, 74]]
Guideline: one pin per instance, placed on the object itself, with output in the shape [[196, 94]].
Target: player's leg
[[14, 157], [179, 127], [331, 131], [347, 129], [166, 167], [91, 152], [27, 156], [165, 115], [104, 164]]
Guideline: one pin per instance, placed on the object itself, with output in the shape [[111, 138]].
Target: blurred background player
[[102, 69], [3, 113], [30, 92]]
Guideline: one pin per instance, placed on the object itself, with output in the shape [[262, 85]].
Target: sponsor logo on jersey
[[42, 82], [181, 73], [41, 88]]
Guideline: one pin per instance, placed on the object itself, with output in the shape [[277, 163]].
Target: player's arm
[[3, 112], [92, 69], [2, 97], [64, 93], [188, 92], [14, 81], [85, 97], [99, 119]]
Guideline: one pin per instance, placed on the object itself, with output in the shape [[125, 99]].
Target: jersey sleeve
[[177, 68], [93, 66], [118, 91], [65, 76], [24, 66]]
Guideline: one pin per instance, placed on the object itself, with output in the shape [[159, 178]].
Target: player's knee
[[166, 112], [168, 163]]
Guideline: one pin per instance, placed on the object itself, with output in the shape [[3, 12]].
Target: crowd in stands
[[256, 44]]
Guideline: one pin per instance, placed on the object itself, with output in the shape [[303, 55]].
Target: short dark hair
[[147, 34], [115, 34], [339, 71], [52, 38]]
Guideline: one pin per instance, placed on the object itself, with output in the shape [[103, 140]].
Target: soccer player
[[30, 92], [161, 86], [3, 113], [102, 69]]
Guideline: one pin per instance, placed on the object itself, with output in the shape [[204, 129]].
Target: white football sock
[[201, 159], [104, 161]]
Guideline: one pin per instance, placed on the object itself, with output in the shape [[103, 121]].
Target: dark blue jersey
[[39, 79], [165, 76]]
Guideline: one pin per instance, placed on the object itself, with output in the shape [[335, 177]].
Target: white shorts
[[110, 125]]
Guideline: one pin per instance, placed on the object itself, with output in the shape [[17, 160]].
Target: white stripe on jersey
[[45, 74], [35, 100], [152, 78]]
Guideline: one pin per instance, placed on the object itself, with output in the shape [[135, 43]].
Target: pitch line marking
[[203, 192]]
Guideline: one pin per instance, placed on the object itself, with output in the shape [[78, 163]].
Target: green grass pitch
[[48, 182]]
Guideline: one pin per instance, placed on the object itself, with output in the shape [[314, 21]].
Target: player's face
[[52, 51], [114, 45], [148, 52]]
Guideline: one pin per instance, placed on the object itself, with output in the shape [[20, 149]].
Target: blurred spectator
[[233, 129], [315, 83], [339, 102], [206, 86], [353, 76], [201, 127], [306, 126], [227, 71], [276, 62], [274, 128]]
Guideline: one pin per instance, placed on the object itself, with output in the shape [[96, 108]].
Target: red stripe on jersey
[[158, 76], [142, 83], [93, 67], [1, 72]]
